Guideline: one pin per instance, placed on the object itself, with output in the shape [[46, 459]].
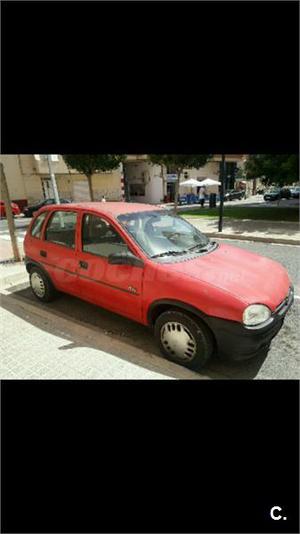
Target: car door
[[58, 250], [115, 287]]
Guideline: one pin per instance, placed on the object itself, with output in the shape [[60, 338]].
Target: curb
[[259, 239], [226, 219], [8, 278], [13, 279]]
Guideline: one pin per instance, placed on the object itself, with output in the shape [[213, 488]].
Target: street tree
[[178, 162], [279, 169], [89, 164], [9, 215]]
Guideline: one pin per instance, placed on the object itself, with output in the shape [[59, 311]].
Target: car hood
[[250, 277]]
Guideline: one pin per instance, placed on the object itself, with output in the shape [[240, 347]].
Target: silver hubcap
[[178, 341], [37, 284]]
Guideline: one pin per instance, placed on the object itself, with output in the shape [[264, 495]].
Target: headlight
[[256, 314]]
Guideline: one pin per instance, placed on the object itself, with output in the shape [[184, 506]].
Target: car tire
[[41, 285], [184, 339]]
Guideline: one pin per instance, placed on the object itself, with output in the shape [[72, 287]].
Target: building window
[[137, 190], [44, 157]]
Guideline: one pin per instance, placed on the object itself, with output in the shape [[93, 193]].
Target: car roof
[[110, 208]]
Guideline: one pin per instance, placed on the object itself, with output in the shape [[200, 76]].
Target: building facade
[[154, 184], [29, 180]]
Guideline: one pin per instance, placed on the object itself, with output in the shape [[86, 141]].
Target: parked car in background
[[140, 261], [14, 207], [276, 193], [272, 194], [29, 210], [295, 191], [260, 191], [285, 192], [233, 194]]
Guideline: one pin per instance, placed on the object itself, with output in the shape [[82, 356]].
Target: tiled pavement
[[44, 346]]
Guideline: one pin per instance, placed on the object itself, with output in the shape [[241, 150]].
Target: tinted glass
[[61, 228], [37, 225], [100, 238], [161, 233]]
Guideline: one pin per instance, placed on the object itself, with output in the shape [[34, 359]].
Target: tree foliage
[[280, 169], [178, 162], [89, 164]]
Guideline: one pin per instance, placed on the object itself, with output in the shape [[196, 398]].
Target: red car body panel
[[221, 283], [237, 274]]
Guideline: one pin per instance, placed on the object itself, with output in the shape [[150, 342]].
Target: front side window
[[100, 238], [160, 233], [61, 228], [37, 225]]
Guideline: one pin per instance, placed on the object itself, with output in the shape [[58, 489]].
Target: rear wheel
[[184, 339], [41, 285]]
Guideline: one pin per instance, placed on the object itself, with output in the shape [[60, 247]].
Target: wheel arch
[[29, 263], [159, 306]]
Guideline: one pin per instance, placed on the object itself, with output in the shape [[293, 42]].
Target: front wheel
[[184, 339]]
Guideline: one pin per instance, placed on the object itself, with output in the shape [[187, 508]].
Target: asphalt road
[[281, 362]]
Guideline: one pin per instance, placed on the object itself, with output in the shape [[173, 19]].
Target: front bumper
[[237, 342]]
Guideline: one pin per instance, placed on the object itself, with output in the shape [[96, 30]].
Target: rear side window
[[100, 238], [37, 225], [61, 228]]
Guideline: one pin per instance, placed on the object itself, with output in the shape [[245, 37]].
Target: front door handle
[[43, 253], [83, 264]]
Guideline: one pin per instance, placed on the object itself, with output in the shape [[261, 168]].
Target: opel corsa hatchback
[[157, 269]]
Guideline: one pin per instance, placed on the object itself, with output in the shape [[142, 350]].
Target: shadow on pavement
[[119, 328]]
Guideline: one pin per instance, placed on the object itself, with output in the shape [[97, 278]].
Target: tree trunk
[[89, 179], [9, 215], [163, 182], [178, 172]]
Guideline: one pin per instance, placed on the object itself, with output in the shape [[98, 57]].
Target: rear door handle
[[43, 253], [83, 264]]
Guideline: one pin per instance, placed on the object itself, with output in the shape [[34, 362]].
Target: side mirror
[[125, 258]]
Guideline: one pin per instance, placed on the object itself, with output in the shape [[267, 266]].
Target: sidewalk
[[37, 343], [12, 274], [6, 252], [286, 233]]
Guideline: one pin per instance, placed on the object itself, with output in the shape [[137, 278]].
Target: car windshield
[[160, 233]]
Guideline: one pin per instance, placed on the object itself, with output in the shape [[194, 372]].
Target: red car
[[15, 209], [144, 263]]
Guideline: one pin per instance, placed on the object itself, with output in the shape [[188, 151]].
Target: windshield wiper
[[203, 248], [170, 253]]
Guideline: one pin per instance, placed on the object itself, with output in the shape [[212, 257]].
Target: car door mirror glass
[[125, 258]]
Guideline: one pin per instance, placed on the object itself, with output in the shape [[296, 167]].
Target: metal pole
[[53, 180], [222, 193]]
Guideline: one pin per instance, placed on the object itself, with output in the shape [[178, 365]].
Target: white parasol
[[190, 183], [209, 181]]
